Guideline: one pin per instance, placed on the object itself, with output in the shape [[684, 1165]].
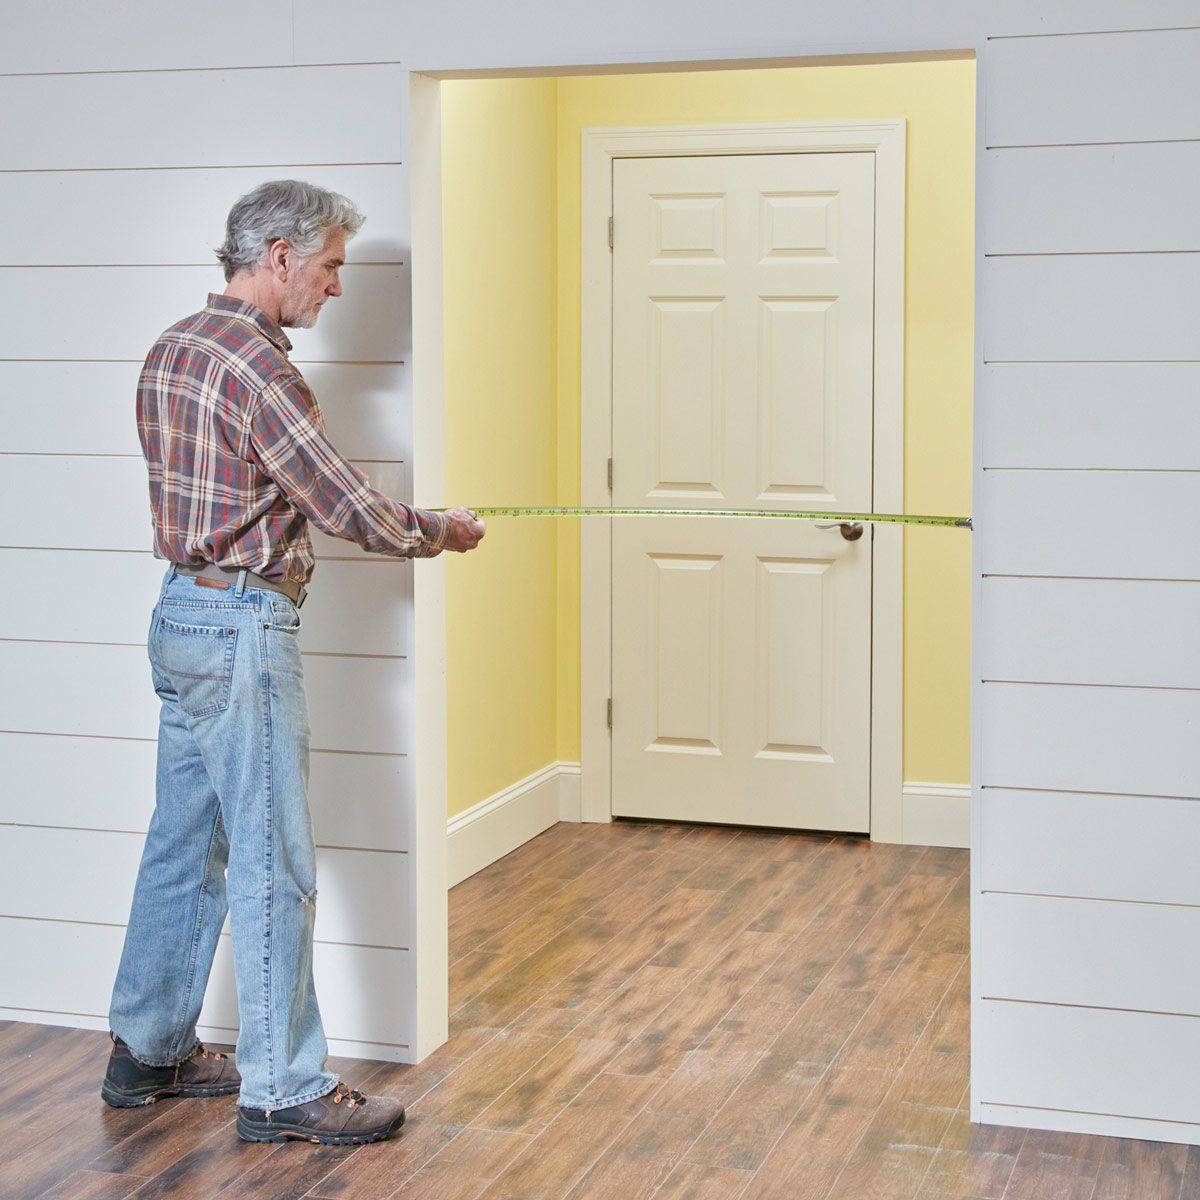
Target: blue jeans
[[231, 832]]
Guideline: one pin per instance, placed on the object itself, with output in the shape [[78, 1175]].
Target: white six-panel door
[[742, 378]]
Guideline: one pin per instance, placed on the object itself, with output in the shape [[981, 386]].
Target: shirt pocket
[[198, 660]]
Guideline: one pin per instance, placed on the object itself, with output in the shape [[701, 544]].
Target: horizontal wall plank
[[1089, 739], [70, 968], [1127, 416], [355, 606], [367, 407], [360, 990], [334, 115], [72, 312], [1095, 953], [89, 407], [37, 36], [357, 704], [359, 801], [1090, 307], [1120, 524], [1127, 1064], [1135, 633], [103, 503], [1122, 87], [96, 218], [1138, 848], [50, 874], [1080, 199]]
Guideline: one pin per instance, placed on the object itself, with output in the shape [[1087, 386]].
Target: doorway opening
[[525, 282]]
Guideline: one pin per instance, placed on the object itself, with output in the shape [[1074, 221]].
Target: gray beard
[[300, 321]]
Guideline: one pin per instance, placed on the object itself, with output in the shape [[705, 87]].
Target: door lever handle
[[851, 530]]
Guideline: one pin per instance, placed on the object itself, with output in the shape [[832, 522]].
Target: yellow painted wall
[[511, 178], [938, 100], [500, 260]]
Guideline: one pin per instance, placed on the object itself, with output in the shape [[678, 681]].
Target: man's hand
[[466, 530]]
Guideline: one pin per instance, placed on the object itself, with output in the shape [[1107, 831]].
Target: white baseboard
[[496, 826], [1096, 1124], [936, 814]]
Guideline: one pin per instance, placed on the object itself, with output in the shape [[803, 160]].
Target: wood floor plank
[[973, 1160], [640, 1010], [92, 1185], [212, 1163], [677, 914], [537, 974], [742, 1133], [67, 1083], [158, 1143], [807, 1159], [466, 1166], [651, 1146], [20, 1046], [893, 1024], [932, 1074], [576, 897], [691, 1182], [1137, 1170], [825, 873], [535, 1098], [735, 911], [1062, 1165], [664, 1043], [377, 1172], [798, 971], [287, 1174], [894, 1154], [888, 938], [565, 1150], [1190, 1187]]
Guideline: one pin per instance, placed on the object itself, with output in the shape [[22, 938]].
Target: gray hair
[[302, 214]]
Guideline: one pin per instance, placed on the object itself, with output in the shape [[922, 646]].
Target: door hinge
[[609, 708], [610, 474], [610, 233]]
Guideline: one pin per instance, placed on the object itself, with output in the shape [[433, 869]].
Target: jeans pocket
[[198, 660], [285, 616]]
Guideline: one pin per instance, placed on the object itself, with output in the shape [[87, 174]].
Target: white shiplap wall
[[1086, 904], [1085, 710], [120, 182]]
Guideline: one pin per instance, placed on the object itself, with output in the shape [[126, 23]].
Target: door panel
[[742, 376]]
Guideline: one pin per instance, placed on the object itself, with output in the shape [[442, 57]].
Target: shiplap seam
[[1059, 1004], [1089, 899]]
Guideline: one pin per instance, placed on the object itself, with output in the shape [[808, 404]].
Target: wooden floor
[[638, 1010]]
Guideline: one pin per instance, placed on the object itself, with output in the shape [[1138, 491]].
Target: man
[[239, 465]]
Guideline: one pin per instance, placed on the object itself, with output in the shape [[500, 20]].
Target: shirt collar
[[271, 330]]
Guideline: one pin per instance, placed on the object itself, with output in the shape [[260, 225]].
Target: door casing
[[886, 140]]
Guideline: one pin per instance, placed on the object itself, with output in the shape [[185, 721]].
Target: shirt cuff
[[435, 527]]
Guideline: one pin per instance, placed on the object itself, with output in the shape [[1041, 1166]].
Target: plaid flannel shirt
[[238, 457]]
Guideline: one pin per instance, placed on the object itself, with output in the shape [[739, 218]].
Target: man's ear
[[278, 258]]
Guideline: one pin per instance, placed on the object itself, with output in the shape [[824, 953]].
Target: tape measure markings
[[837, 518]]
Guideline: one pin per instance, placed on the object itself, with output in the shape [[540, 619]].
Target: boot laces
[[213, 1054], [351, 1096]]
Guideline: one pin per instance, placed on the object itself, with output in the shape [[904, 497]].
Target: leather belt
[[297, 593]]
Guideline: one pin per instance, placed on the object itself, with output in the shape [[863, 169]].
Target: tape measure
[[832, 517]]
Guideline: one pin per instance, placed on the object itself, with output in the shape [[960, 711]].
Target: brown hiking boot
[[342, 1117], [129, 1082]]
